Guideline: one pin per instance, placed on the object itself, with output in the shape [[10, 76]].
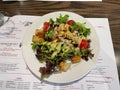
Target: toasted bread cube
[[76, 59], [39, 33], [64, 66], [37, 39]]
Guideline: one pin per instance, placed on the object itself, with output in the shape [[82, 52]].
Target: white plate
[[77, 71]]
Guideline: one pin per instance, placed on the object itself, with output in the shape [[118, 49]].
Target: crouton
[[76, 59], [37, 39], [64, 66], [39, 33]]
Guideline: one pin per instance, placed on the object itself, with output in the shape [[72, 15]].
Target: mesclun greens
[[60, 43], [62, 19]]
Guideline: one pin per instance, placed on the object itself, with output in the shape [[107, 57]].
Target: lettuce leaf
[[62, 19]]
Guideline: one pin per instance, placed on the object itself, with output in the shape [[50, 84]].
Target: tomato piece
[[46, 26], [84, 44], [69, 22]]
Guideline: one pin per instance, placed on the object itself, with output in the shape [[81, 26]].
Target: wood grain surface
[[107, 9]]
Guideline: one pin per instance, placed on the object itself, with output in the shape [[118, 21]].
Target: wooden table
[[107, 9]]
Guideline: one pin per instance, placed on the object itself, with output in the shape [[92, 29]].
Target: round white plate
[[77, 71]]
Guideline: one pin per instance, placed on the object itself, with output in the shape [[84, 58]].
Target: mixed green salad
[[60, 43]]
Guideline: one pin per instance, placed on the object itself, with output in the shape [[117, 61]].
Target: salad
[[60, 43]]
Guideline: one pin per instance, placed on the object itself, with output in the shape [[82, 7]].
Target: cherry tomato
[[46, 26], [69, 22], [84, 44]]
